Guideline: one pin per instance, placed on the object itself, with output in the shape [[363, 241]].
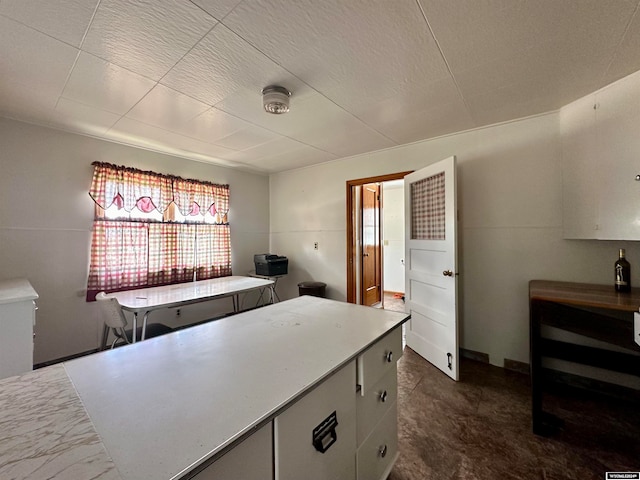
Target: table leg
[[535, 363], [544, 423], [144, 326], [134, 331], [105, 335], [274, 295], [260, 301]]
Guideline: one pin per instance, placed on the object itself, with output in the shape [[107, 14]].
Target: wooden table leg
[[544, 423]]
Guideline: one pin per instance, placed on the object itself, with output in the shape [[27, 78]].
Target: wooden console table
[[595, 311]]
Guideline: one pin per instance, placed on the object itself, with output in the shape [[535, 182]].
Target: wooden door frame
[[351, 234]]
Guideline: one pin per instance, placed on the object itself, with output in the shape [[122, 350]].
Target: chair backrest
[[112, 314]]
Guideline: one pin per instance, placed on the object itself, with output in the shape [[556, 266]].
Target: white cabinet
[[377, 422], [315, 438], [251, 460], [600, 152], [17, 318]]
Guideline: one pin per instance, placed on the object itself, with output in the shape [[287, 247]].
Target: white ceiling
[[184, 77]]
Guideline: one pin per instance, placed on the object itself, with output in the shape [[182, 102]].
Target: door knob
[[448, 273]]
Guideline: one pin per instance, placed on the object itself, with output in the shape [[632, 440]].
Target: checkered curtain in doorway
[[428, 208]]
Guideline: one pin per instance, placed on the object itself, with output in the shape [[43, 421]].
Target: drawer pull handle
[[383, 451], [383, 396], [389, 357], [324, 435]]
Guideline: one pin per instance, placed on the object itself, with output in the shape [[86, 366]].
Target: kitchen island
[[200, 401]]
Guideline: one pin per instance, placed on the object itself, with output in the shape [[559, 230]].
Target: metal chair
[[115, 320]]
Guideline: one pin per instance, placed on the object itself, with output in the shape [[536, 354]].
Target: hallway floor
[[480, 428]]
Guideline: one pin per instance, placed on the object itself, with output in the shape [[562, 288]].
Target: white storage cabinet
[[600, 151], [377, 418], [17, 318]]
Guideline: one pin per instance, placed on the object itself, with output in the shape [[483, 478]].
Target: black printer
[[270, 265]]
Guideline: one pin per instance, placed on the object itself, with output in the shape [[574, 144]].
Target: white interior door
[[431, 279]]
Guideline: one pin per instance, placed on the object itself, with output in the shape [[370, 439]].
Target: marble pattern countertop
[[45, 431]]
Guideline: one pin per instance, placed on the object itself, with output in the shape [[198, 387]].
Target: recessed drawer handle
[[324, 435], [382, 451], [389, 357], [383, 396]]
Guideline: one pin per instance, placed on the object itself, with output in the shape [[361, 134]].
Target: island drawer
[[372, 406], [376, 456], [379, 359], [317, 434]]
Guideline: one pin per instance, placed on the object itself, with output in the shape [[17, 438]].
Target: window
[[152, 229]]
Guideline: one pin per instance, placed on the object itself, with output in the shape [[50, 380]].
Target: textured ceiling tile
[[33, 66], [373, 48], [247, 138], [81, 118], [344, 136], [384, 112], [105, 85], [65, 20], [217, 8], [429, 122], [627, 55], [298, 158], [277, 146], [308, 108], [139, 133], [166, 108], [211, 125], [147, 37], [472, 33], [364, 74], [221, 64]]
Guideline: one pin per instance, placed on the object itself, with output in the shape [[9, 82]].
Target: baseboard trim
[[473, 355], [516, 366], [63, 359]]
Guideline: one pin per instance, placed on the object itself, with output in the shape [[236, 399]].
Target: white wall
[[510, 201], [46, 217], [393, 235]]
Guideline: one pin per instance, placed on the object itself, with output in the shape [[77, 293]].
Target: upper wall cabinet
[[600, 161]]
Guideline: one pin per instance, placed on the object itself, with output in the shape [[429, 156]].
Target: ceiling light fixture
[[275, 99]]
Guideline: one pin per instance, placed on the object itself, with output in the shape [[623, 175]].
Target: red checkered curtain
[[171, 253], [119, 256], [199, 197], [428, 208], [214, 251], [129, 187], [131, 252]]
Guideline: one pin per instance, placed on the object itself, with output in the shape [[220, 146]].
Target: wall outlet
[[315, 245]]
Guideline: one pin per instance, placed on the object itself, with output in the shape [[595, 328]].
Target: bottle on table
[[623, 273]]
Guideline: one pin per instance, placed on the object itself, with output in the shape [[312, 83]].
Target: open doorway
[[393, 231], [366, 228]]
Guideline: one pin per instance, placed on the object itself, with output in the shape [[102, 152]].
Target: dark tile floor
[[480, 428]]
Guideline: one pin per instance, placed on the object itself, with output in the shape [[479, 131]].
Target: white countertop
[[16, 290], [167, 404]]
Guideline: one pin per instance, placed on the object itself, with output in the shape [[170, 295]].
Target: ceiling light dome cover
[[275, 99]]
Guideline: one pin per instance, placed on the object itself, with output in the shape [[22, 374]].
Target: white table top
[[147, 299], [16, 290], [169, 403]]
